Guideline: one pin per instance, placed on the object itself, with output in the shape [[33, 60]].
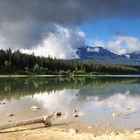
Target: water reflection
[[19, 87], [65, 101], [94, 98]]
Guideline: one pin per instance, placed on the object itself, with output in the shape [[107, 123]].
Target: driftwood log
[[44, 119]]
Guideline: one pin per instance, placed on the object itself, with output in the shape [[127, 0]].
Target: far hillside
[[104, 56]]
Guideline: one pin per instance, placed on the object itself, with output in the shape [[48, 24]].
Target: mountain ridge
[[102, 55]]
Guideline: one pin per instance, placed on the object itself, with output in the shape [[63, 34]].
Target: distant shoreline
[[86, 75]]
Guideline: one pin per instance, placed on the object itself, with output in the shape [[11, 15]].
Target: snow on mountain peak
[[93, 49], [127, 56]]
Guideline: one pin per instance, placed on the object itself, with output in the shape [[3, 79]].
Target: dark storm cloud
[[66, 10], [23, 22]]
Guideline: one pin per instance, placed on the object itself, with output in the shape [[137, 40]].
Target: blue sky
[[106, 29]]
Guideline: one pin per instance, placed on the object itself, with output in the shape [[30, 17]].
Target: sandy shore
[[38, 132]]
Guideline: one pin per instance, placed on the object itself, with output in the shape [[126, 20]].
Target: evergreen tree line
[[20, 63]]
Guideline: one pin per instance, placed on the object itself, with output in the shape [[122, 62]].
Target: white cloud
[[124, 45], [95, 42], [119, 44], [62, 43]]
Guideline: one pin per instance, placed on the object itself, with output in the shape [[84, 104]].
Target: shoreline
[[62, 132], [84, 75]]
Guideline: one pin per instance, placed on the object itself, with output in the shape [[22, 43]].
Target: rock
[[3, 103], [115, 115], [74, 111], [112, 133], [34, 108], [75, 115], [97, 125], [10, 114], [137, 129], [57, 114], [126, 115], [137, 132], [73, 131], [67, 123], [89, 127], [128, 108]]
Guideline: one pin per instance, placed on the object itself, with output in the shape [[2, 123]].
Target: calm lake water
[[95, 99]]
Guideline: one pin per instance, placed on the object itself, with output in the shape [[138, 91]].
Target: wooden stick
[[44, 119]]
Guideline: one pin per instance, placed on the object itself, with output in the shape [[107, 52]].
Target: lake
[[95, 99]]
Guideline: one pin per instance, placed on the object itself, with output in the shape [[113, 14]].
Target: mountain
[[102, 55]]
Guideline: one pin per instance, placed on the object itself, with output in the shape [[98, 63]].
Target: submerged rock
[[73, 131], [75, 115], [10, 114], [115, 115], [128, 108], [34, 108], [89, 127], [67, 123], [74, 111], [57, 114]]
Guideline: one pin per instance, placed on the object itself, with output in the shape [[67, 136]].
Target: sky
[[58, 27], [106, 28]]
